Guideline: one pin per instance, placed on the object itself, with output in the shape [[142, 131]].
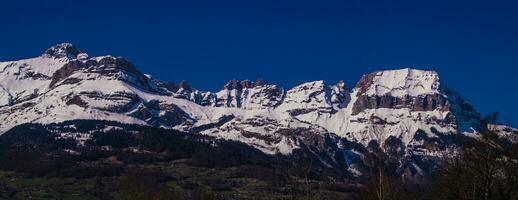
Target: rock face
[[315, 97], [399, 103], [249, 95], [65, 50], [406, 113], [414, 103], [408, 88]]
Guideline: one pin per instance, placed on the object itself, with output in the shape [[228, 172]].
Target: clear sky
[[472, 44]]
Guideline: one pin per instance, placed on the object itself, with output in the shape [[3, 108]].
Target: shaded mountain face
[[407, 113]]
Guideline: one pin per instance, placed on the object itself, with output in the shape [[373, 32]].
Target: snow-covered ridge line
[[65, 84]]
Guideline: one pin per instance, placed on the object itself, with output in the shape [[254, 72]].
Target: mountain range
[[407, 114]]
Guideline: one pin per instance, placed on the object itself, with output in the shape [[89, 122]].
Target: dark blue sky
[[472, 44]]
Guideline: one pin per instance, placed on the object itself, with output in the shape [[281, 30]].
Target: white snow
[[16, 77], [403, 82], [250, 98], [328, 109], [309, 95]]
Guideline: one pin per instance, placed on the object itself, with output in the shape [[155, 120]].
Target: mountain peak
[[239, 85], [400, 82], [62, 50]]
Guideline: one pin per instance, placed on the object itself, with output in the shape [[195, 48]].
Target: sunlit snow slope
[[63, 84]]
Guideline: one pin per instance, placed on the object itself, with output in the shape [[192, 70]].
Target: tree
[[486, 168], [381, 183]]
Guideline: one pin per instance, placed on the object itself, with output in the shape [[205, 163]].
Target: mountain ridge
[[408, 113], [310, 97]]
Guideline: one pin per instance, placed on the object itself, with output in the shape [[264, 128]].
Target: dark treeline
[[125, 165], [484, 168]]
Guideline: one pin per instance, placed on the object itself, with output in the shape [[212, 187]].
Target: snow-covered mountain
[[407, 111]]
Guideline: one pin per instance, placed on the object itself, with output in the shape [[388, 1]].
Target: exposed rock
[[315, 96], [248, 95], [62, 50], [247, 84], [76, 100], [339, 95], [185, 86], [172, 115], [420, 103], [65, 71], [365, 83], [259, 82]]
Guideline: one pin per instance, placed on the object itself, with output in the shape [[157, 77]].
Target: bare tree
[[485, 169], [381, 185]]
